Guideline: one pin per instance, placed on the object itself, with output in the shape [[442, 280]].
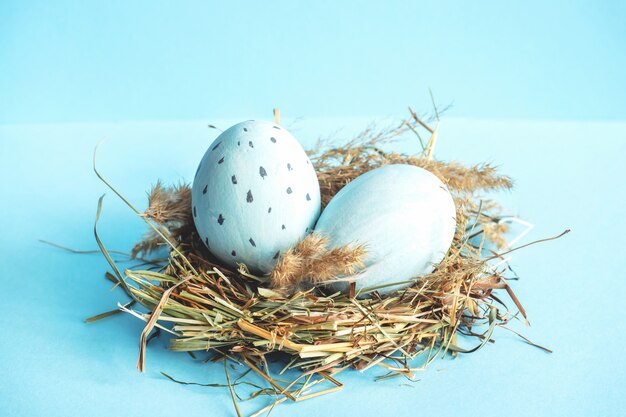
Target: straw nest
[[208, 307]]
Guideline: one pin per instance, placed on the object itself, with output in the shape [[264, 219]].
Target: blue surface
[[568, 174], [117, 60], [73, 72]]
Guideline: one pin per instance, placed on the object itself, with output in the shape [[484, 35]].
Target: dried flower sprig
[[312, 262], [169, 207]]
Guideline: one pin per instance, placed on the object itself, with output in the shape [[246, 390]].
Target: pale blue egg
[[255, 194], [405, 217]]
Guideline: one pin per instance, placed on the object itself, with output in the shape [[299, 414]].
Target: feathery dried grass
[[311, 262], [336, 167], [170, 208]]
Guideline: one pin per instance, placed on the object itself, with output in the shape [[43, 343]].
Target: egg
[[254, 195], [405, 217]]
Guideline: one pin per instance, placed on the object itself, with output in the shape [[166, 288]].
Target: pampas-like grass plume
[[170, 209], [312, 262]]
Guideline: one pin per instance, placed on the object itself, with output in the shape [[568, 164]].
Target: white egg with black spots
[[405, 217], [255, 194]]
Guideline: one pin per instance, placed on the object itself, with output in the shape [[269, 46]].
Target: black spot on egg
[[204, 190], [220, 219], [273, 139], [233, 253], [289, 190], [245, 129], [262, 172], [289, 167], [252, 242], [276, 127], [221, 160], [238, 143], [249, 198], [195, 213], [269, 210], [250, 144], [283, 227], [308, 197], [233, 179], [216, 146], [276, 255]]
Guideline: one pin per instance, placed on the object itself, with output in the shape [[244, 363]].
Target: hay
[[236, 315]]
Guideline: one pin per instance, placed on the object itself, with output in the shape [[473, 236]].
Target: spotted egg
[[403, 215], [255, 194]]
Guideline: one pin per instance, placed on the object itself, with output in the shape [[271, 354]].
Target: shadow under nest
[[208, 307]]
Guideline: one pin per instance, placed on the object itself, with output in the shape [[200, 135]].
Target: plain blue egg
[[405, 217]]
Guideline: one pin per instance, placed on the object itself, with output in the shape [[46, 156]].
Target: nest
[[206, 306]]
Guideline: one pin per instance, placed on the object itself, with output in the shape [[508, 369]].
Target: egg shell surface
[[405, 217], [255, 194]]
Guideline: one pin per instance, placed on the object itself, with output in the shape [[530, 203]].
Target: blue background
[[538, 90]]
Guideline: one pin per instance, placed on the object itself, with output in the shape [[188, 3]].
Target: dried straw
[[209, 307]]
